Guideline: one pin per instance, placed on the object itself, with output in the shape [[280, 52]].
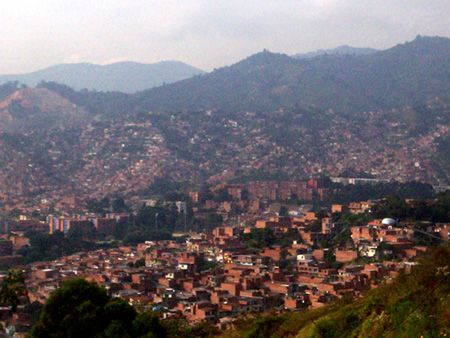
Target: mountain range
[[127, 77], [386, 114], [403, 75]]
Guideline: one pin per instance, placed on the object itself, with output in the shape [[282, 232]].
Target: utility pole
[[156, 221]]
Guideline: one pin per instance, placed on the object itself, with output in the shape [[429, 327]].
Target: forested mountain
[[403, 75], [127, 77], [389, 118]]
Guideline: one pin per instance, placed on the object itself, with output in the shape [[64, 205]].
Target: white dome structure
[[388, 221]]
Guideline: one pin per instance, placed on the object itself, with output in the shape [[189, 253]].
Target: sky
[[204, 33]]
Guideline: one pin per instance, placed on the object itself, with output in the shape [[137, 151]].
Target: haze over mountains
[[127, 77], [342, 79], [341, 50], [406, 74], [386, 114]]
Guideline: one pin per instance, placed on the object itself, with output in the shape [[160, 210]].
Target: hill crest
[[403, 75], [126, 76], [34, 108]]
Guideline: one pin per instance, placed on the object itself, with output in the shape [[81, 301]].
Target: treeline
[[434, 210], [150, 223], [105, 205], [104, 103], [168, 190], [82, 309], [258, 239], [153, 223], [8, 88], [47, 247], [363, 192]]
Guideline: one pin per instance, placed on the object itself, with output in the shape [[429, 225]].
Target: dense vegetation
[[8, 88], [82, 309], [364, 192], [258, 239], [268, 81], [46, 247], [435, 209], [403, 75], [108, 104], [12, 289], [413, 305]]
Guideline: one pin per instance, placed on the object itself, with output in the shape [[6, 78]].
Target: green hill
[[412, 305], [404, 75]]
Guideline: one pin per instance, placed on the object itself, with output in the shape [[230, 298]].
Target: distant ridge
[[341, 50], [403, 75], [127, 77], [269, 116]]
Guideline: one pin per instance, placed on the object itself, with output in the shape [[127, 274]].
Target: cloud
[[204, 33]]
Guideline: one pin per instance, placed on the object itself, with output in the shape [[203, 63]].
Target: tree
[[98, 206], [117, 310], [213, 220], [205, 194], [391, 207], [259, 238], [82, 309], [12, 288], [82, 232], [72, 310], [180, 328], [119, 205], [223, 195], [284, 211], [148, 322], [245, 195], [116, 330], [120, 229], [140, 262]]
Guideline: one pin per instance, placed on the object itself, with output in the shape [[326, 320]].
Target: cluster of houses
[[309, 259], [216, 276]]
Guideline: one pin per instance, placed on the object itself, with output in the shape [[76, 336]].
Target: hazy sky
[[205, 33]]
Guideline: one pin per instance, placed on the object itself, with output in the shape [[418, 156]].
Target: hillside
[[125, 153], [414, 305], [127, 77], [27, 109], [403, 75], [54, 138]]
